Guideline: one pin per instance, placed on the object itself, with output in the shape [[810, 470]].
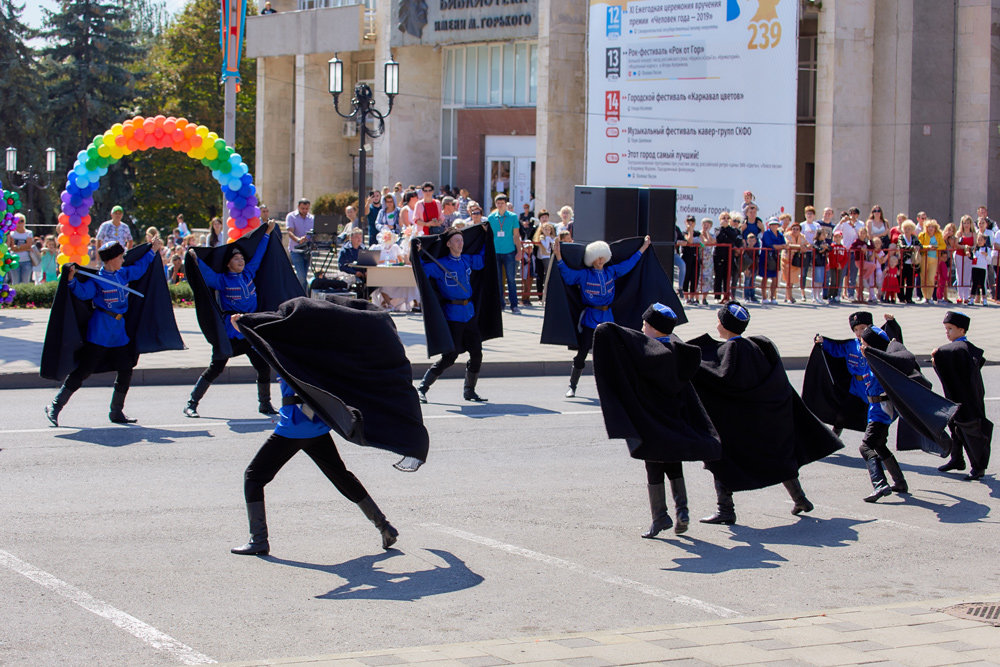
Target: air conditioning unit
[[349, 130]]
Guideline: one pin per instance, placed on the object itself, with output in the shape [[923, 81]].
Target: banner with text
[[697, 95]]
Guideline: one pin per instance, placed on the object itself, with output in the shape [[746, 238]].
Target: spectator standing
[[727, 243], [772, 242], [182, 227], [217, 234], [993, 241], [545, 237], [565, 220], [932, 245], [909, 258], [299, 226], [750, 251], [827, 222], [388, 216], [47, 263], [809, 228], [791, 261], [463, 203], [980, 260], [507, 244], [20, 244], [877, 226], [945, 263], [268, 9], [752, 224], [837, 261], [373, 206], [408, 211], [428, 211], [689, 254], [966, 239], [849, 227], [449, 211], [821, 249], [706, 253], [115, 230]]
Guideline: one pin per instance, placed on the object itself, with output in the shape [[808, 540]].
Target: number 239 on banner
[[764, 35], [612, 106]]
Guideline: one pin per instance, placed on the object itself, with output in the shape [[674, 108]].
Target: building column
[[844, 98], [299, 135], [560, 121]]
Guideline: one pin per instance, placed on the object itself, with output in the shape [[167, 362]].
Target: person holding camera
[[299, 225]]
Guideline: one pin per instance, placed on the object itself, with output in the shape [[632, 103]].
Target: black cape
[[275, 282], [344, 359], [485, 288], [923, 414], [826, 386], [645, 284], [959, 367], [647, 397], [149, 320], [767, 432]]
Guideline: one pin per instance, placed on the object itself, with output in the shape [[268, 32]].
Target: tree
[[185, 68], [90, 78]]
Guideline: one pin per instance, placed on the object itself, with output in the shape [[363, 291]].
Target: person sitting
[[393, 298], [352, 275]]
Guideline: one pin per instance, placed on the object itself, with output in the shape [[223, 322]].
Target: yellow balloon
[[202, 131], [104, 151], [62, 259], [212, 137], [84, 260], [116, 153], [117, 128], [212, 153]]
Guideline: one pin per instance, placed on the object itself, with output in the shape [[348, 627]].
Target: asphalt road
[[526, 520]]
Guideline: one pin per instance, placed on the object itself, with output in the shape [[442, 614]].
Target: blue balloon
[[82, 156], [234, 184], [102, 171], [82, 182], [80, 170], [246, 177], [235, 158]]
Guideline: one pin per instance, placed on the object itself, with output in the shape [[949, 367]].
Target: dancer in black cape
[[644, 382], [766, 430], [461, 302], [250, 274], [959, 366], [601, 283], [103, 320], [329, 380]]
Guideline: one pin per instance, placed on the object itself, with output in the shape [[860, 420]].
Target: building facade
[[899, 100]]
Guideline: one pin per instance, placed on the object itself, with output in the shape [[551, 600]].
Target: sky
[[33, 10]]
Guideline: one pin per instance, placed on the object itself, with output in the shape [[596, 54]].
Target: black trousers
[[722, 276], [907, 280], [240, 346], [657, 470], [121, 359], [277, 450], [873, 444], [467, 336], [584, 341], [690, 275], [541, 266]]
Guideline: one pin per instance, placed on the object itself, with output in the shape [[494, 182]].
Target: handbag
[[797, 259], [771, 262]]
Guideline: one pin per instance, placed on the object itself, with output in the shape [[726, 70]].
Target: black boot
[[658, 508], [117, 405], [957, 460], [425, 384], [726, 515], [898, 481], [257, 546], [879, 484], [574, 379], [199, 390], [374, 514], [470, 388], [679, 491], [264, 399], [802, 504], [53, 409]]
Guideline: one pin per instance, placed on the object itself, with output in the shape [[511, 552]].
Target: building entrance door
[[510, 169]]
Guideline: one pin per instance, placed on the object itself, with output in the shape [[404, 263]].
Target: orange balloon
[[133, 144], [181, 123], [253, 222], [148, 126], [63, 239], [127, 131], [120, 140], [158, 132], [63, 218], [184, 145], [85, 220], [160, 120], [191, 130], [195, 140], [164, 142], [234, 234], [169, 125]]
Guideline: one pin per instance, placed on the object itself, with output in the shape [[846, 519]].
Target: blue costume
[[454, 282], [107, 325], [863, 382], [237, 294]]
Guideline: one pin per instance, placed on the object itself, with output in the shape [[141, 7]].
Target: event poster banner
[[697, 95]]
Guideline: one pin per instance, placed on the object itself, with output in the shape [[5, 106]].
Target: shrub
[[181, 294], [335, 203], [39, 295]]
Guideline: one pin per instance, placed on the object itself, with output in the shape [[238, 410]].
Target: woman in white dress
[[400, 299]]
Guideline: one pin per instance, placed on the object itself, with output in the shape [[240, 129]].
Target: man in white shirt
[[849, 228], [990, 231], [809, 229], [299, 225]]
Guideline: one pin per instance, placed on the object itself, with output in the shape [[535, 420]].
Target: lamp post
[[362, 106], [30, 178]]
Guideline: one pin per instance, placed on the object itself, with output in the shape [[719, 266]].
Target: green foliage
[[334, 203], [181, 294], [39, 295], [185, 65]]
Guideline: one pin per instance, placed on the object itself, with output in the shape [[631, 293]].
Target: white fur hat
[[594, 250]]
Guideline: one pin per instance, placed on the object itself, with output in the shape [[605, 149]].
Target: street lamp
[[29, 179], [362, 106]]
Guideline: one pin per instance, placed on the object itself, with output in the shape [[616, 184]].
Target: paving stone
[[531, 651], [919, 656], [734, 654], [672, 643], [586, 662], [957, 646], [576, 642], [844, 626], [375, 660], [830, 654], [771, 644], [484, 661], [865, 645], [755, 626]]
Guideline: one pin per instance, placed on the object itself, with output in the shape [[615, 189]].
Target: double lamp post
[[363, 107], [29, 179]]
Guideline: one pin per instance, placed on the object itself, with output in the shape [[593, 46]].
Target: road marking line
[[126, 622], [594, 574], [846, 514], [260, 422]]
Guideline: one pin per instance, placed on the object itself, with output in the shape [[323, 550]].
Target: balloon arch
[[140, 134]]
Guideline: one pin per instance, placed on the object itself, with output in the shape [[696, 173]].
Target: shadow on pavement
[[962, 510], [365, 581], [257, 426], [7, 322], [15, 349], [807, 531], [484, 410], [121, 436]]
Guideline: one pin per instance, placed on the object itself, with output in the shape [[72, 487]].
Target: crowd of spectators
[[834, 259]]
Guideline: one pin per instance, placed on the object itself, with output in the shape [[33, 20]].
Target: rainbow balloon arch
[[140, 134]]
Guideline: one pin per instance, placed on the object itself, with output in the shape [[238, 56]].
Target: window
[[807, 80], [366, 73], [321, 4], [493, 75]]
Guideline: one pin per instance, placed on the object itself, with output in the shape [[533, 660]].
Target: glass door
[[498, 179]]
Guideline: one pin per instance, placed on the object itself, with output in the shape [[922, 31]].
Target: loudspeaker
[[658, 212]]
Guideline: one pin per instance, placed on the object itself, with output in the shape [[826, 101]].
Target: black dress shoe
[[265, 408], [974, 475], [252, 549], [720, 518], [120, 418], [878, 494], [952, 465]]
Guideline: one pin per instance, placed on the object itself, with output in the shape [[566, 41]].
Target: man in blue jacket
[[451, 275], [107, 340], [237, 294], [597, 290]]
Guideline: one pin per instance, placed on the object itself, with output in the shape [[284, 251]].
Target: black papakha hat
[[960, 320], [734, 317], [231, 249], [660, 317], [875, 337], [110, 250], [860, 317]]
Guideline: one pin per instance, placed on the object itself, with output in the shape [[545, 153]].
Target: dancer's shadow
[[251, 426], [486, 410], [15, 349], [118, 436], [8, 322], [844, 460], [708, 558], [962, 510], [993, 483], [365, 581], [583, 400]]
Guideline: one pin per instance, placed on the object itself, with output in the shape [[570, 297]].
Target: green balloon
[[92, 152], [99, 140], [225, 167], [205, 161], [14, 195], [220, 145]]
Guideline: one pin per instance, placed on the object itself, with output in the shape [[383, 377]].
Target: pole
[[229, 124], [361, 179]]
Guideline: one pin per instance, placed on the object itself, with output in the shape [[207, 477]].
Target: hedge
[[334, 204], [41, 296]]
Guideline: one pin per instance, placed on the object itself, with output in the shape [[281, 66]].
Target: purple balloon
[[241, 223], [252, 200], [65, 197]]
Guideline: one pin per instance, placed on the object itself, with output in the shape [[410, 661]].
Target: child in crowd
[[890, 283], [750, 252], [837, 265], [50, 270], [545, 236], [821, 249], [980, 260]]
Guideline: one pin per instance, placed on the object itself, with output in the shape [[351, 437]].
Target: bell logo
[[611, 158], [612, 132]]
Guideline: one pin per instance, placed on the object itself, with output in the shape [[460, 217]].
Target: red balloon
[[64, 219]]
